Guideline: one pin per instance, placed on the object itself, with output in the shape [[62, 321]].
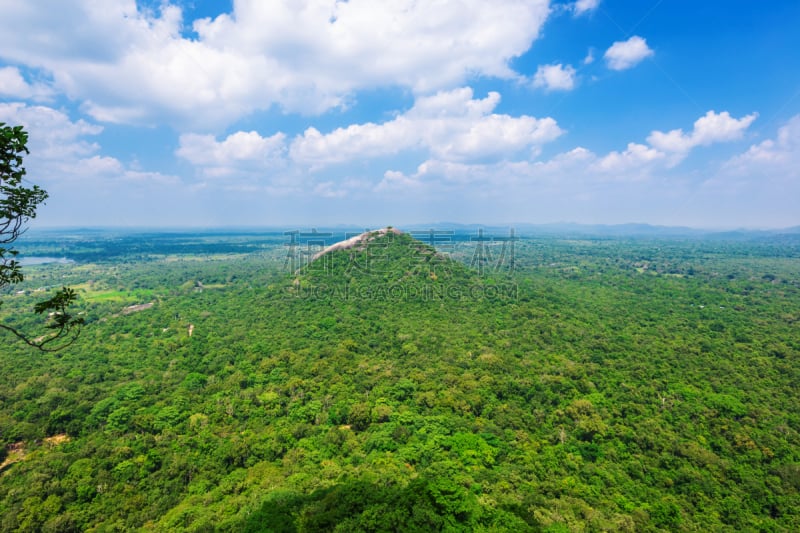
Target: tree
[[18, 204]]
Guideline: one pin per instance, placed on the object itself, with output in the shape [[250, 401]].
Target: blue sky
[[312, 112]]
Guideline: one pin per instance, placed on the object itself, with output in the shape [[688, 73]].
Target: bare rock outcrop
[[358, 242]]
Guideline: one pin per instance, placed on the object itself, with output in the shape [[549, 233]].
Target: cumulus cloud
[[636, 156], [449, 129], [555, 77], [711, 128], [52, 134], [626, 54], [561, 172], [394, 180], [60, 148], [240, 152], [780, 154], [669, 149], [450, 125], [585, 6], [637, 163], [13, 85], [126, 64], [433, 175], [761, 185]]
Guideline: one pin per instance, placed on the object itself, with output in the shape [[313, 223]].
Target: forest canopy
[[627, 385]]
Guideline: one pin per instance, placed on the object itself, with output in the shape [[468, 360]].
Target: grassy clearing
[[116, 296]]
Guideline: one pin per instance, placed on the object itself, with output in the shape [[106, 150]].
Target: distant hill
[[570, 229]]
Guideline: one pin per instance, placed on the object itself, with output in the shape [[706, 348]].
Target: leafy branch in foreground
[[65, 327], [18, 204]]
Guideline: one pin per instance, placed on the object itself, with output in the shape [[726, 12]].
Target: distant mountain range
[[564, 229], [611, 230]]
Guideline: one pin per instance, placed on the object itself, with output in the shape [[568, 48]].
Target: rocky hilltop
[[359, 241]]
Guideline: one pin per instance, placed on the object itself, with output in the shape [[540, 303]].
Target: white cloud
[[555, 77], [440, 176], [584, 6], [774, 156], [638, 163], [571, 187], [128, 65], [13, 85], [757, 188], [59, 149], [458, 138], [565, 171], [240, 152], [718, 127], [626, 54], [711, 128], [394, 180], [669, 149], [357, 141], [52, 135], [760, 187], [577, 159], [449, 125], [636, 156], [329, 189]]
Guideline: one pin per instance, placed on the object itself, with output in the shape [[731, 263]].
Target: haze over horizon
[[321, 112]]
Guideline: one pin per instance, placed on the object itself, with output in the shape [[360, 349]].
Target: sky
[[212, 113]]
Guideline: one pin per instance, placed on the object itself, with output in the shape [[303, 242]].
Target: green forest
[[226, 382]]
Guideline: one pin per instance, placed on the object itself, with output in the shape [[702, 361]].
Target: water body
[[43, 260]]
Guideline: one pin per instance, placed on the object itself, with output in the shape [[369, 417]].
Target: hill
[[389, 264]]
